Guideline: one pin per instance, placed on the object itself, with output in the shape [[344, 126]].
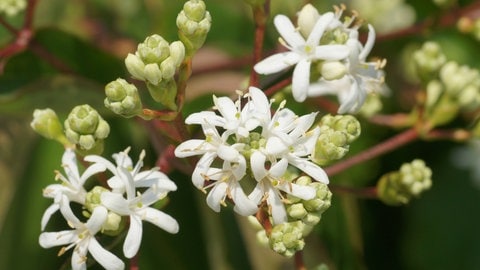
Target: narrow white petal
[[260, 101], [201, 170], [288, 31], [279, 214], [67, 211], [369, 44], [201, 118], [319, 28], [243, 205], [92, 170], [257, 163], [96, 220], [226, 107], [323, 87], [69, 163], [134, 237], [331, 52], [115, 202], [160, 219], [303, 123], [217, 195], [279, 168], [301, 80], [48, 214], [228, 153], [79, 257], [52, 239], [275, 146], [190, 148], [105, 258], [309, 168], [98, 159], [277, 62], [302, 192], [257, 193]]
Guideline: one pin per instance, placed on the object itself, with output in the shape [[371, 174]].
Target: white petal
[[309, 168], [160, 219], [279, 214], [331, 52], [52, 239], [96, 220], [201, 170], [69, 163], [322, 87], [279, 168], [115, 202], [257, 193], [190, 148], [301, 80], [104, 257], [243, 205], [98, 159], [134, 237], [257, 163], [48, 214], [116, 184], [228, 153], [217, 195], [226, 107], [319, 28], [303, 123], [79, 256], [92, 170], [275, 146], [302, 192], [369, 44], [127, 179], [201, 118], [277, 62], [67, 211], [288, 31]]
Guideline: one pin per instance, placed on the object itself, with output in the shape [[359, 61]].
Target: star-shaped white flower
[[81, 238], [302, 52], [72, 183], [136, 206], [271, 182], [361, 78]]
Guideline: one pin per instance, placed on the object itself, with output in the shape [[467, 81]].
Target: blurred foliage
[[438, 231]]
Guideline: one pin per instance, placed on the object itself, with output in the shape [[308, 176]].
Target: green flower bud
[[469, 98], [296, 211], [85, 127], [307, 18], [456, 78], [287, 238], [331, 145], [397, 188], [135, 66], [154, 49], [322, 200], [434, 91], [165, 93], [12, 7], [193, 23], [122, 98], [153, 74], [332, 70], [177, 52], [428, 60], [168, 68], [45, 122]]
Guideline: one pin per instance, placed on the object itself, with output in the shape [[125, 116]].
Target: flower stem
[[299, 264], [260, 14]]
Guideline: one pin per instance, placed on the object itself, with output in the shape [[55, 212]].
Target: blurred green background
[[437, 231]]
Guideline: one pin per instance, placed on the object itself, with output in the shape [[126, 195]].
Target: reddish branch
[[260, 14]]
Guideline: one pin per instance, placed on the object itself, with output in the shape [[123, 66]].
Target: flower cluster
[[12, 7], [328, 58], [131, 193], [251, 139]]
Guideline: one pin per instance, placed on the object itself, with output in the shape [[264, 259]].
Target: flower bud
[[332, 70], [397, 188], [296, 211], [307, 18], [113, 225], [85, 127], [12, 7], [135, 66], [347, 124], [434, 91], [153, 74], [122, 98], [428, 60], [193, 23], [168, 68], [331, 145], [45, 122], [154, 49], [287, 238], [177, 52]]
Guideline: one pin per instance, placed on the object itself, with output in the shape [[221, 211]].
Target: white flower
[[288, 137], [361, 78], [270, 182], [82, 238], [302, 52], [137, 207], [72, 184]]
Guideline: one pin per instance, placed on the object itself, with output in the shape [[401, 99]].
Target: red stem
[[260, 17], [299, 264], [396, 141]]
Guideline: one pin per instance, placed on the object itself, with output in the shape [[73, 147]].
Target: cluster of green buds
[[156, 62], [450, 87], [193, 23], [288, 238], [86, 128], [336, 134], [123, 98], [12, 7], [399, 187]]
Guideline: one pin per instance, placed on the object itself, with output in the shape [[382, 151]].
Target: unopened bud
[[287, 238], [122, 98], [332, 70], [135, 66], [307, 18], [45, 122], [193, 23], [154, 49]]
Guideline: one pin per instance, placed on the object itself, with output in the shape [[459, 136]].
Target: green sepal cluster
[[123, 98], [193, 23]]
